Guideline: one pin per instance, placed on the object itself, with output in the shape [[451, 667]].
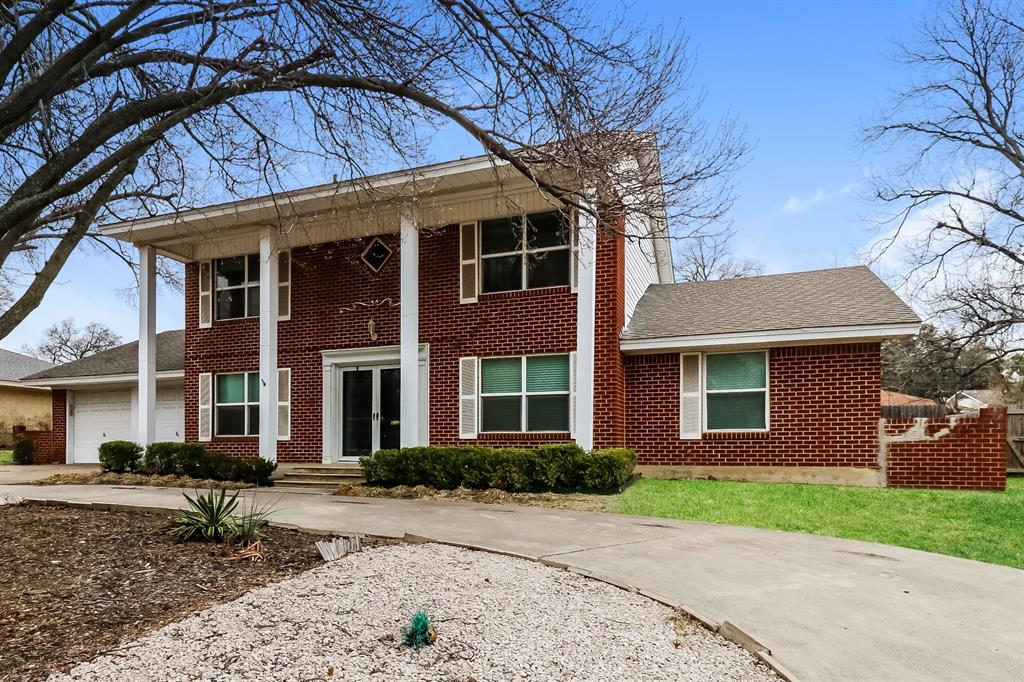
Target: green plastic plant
[[210, 517], [419, 632]]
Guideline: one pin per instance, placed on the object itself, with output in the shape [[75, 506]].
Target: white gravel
[[498, 618]]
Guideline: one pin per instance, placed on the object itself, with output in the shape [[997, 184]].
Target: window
[[237, 408], [237, 287], [736, 391], [518, 253], [524, 393]]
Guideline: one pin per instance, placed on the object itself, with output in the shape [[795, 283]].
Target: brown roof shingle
[[837, 297]]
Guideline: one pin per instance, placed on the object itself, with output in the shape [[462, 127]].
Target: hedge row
[[183, 459], [548, 467]]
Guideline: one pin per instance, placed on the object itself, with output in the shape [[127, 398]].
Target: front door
[[370, 409]]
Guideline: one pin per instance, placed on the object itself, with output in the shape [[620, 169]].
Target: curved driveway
[[827, 609]]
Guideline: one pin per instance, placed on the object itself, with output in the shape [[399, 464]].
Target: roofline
[[380, 181], [15, 383], [774, 337], [51, 382]]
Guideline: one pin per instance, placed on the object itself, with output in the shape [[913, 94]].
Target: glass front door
[[370, 409]]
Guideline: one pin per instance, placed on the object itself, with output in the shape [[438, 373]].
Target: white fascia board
[[774, 337], [22, 384], [101, 379], [378, 182]]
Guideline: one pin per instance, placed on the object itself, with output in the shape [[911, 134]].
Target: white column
[[410, 328], [268, 344], [586, 284], [147, 345]]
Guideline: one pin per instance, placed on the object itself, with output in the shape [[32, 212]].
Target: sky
[[803, 78]]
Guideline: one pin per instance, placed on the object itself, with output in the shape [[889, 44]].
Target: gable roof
[[849, 298], [897, 398], [124, 359], [14, 366]]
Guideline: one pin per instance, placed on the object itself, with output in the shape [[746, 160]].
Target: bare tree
[[64, 342], [959, 197], [709, 256], [113, 109]]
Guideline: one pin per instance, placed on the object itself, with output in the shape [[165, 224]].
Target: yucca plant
[[247, 527], [210, 517]]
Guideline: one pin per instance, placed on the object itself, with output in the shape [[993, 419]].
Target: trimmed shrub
[[24, 452], [160, 459], [549, 467], [190, 460], [120, 456], [611, 468], [263, 472]]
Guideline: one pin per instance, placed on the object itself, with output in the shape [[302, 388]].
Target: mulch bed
[[75, 583], [573, 501]]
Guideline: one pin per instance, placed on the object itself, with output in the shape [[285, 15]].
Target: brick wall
[[50, 444], [609, 319], [824, 411], [330, 287], [961, 452]]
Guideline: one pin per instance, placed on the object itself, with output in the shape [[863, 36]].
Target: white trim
[[60, 382], [409, 332], [775, 337], [146, 386], [585, 319], [18, 384], [269, 289], [765, 390]]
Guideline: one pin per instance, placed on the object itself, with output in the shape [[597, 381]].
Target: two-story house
[[455, 304]]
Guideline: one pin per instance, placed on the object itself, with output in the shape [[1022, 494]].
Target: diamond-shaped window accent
[[376, 255]]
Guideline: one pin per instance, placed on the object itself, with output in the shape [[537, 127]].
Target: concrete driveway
[[827, 609], [11, 474]]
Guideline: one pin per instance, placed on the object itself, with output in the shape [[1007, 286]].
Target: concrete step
[[320, 475], [317, 485], [337, 478]]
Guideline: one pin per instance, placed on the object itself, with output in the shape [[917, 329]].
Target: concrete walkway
[[26, 473], [827, 609]]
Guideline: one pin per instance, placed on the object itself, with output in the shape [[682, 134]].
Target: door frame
[[337, 361]]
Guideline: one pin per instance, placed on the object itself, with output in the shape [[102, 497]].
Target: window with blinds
[[528, 393], [736, 391]]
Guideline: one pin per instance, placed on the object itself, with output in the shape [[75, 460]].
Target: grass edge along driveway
[[983, 526], [6, 457]]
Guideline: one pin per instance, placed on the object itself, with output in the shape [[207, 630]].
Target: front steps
[[319, 475]]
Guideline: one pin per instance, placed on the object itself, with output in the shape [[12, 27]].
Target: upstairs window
[[525, 253], [237, 287]]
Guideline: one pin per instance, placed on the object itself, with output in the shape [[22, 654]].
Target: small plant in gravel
[[23, 452], [419, 632]]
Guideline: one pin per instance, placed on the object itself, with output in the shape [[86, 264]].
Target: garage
[[98, 416]]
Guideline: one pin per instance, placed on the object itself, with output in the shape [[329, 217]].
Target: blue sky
[[802, 77]]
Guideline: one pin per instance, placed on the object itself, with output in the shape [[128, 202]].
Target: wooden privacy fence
[[1015, 440], [932, 411]]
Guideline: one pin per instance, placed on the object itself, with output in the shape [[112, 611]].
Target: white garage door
[[101, 416]]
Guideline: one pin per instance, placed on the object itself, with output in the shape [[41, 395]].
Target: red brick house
[[326, 323]]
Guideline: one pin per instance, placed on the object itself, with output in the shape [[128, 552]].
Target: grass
[[973, 525], [6, 457]]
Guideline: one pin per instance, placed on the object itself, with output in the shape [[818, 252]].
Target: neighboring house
[[21, 405], [95, 399], [329, 322], [895, 398], [977, 398]]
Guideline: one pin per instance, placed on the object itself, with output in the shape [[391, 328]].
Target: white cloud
[[796, 204]]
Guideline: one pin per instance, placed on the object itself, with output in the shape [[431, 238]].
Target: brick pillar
[[609, 318]]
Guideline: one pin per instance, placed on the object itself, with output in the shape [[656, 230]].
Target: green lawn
[[6, 457], [983, 526]]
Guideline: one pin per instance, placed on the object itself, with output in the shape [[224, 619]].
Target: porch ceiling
[[469, 189]]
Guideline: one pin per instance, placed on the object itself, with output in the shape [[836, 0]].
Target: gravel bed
[[498, 618]]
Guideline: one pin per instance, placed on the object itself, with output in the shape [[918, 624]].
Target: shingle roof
[[836, 297], [14, 366], [170, 356]]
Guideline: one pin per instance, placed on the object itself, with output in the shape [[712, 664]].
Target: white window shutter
[[468, 251], [467, 398], [691, 422], [284, 404], [205, 406], [572, 393], [284, 286], [205, 293]]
